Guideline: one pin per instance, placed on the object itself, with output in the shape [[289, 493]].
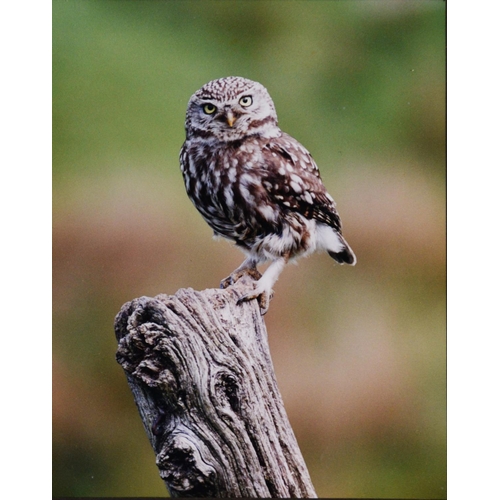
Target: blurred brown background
[[359, 352]]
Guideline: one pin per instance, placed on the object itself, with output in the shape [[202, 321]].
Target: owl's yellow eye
[[209, 108], [246, 101]]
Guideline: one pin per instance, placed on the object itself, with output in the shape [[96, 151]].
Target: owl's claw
[[236, 275], [263, 298], [257, 291]]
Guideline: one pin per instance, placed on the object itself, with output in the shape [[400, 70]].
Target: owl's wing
[[292, 180]]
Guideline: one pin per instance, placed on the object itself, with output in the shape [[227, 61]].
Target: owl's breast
[[225, 185]]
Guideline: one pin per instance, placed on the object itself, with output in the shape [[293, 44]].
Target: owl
[[256, 185]]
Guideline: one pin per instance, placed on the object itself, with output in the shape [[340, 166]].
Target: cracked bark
[[201, 374]]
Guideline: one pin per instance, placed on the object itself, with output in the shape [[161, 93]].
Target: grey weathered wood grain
[[201, 373]]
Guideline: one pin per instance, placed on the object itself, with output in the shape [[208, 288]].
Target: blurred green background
[[359, 352]]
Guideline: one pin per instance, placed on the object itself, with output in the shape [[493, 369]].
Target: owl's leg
[[264, 287], [248, 268]]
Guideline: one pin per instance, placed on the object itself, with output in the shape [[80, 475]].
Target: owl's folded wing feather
[[292, 180]]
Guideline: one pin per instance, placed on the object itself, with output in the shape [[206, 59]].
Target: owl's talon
[[254, 274], [236, 275], [264, 300], [226, 282], [262, 297]]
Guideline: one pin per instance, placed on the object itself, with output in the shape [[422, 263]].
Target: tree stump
[[201, 374]]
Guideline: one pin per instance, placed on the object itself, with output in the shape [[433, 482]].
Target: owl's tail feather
[[333, 242], [345, 256]]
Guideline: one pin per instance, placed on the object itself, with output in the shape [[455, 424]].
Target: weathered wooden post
[[202, 377]]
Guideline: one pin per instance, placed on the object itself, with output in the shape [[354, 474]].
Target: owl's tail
[[346, 256], [333, 242]]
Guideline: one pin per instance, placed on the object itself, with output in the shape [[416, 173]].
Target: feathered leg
[[263, 289]]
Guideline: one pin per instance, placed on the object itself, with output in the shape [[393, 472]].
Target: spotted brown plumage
[[254, 184]]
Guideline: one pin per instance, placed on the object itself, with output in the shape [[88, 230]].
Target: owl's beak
[[230, 118]]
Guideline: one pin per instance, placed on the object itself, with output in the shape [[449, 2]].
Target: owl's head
[[230, 109]]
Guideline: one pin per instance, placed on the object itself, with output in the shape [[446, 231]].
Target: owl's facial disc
[[238, 109], [229, 112], [225, 115]]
